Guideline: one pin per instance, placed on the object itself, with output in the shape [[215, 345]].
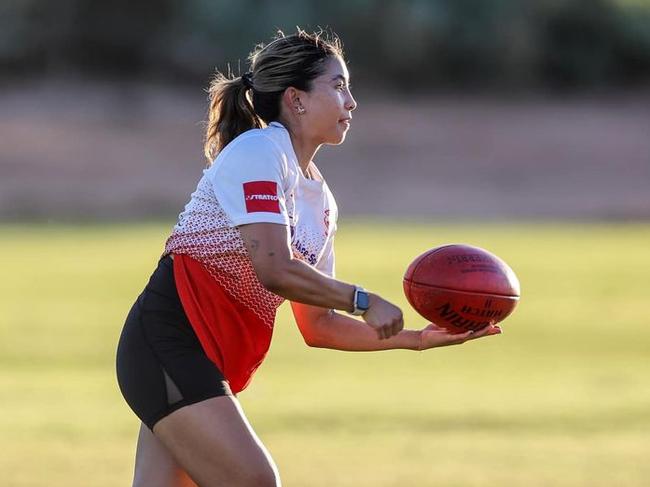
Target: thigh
[[155, 466], [161, 365], [213, 441]]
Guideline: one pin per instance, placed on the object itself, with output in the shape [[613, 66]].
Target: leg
[[154, 465], [163, 372], [213, 441]]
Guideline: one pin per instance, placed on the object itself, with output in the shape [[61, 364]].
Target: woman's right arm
[[269, 247]]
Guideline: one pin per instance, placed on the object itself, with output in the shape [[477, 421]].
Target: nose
[[350, 103]]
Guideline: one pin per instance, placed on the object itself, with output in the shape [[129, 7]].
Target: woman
[[258, 229]]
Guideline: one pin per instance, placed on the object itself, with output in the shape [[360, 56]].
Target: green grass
[[561, 398]]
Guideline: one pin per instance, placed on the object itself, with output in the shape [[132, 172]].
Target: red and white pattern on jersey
[[309, 237], [206, 233], [306, 246]]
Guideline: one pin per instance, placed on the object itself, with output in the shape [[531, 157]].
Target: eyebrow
[[339, 77]]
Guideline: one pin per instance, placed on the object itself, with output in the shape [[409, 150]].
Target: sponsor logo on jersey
[[261, 196], [304, 251]]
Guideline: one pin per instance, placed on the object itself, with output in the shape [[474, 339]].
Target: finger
[[394, 330], [480, 331], [380, 332], [487, 331], [462, 337], [399, 326], [388, 331]]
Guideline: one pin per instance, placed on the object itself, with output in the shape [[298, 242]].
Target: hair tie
[[247, 79]]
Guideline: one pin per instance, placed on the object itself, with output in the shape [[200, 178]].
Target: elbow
[[313, 341], [314, 333], [272, 281], [273, 278]]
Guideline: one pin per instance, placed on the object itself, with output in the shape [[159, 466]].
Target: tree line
[[410, 44]]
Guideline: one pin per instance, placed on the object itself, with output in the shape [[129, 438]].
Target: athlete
[[258, 229]]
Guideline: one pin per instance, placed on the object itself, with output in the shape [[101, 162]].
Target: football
[[461, 287]]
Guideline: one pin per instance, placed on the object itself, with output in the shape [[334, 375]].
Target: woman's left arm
[[325, 328]]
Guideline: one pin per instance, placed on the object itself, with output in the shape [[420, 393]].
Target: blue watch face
[[363, 302]]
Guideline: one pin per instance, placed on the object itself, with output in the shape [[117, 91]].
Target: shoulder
[[254, 150], [255, 155], [259, 142]]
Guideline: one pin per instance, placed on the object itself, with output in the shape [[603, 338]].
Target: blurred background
[[467, 108], [519, 126]]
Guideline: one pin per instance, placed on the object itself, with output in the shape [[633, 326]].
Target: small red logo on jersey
[[261, 196]]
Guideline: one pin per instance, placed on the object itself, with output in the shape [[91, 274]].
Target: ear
[[291, 99]]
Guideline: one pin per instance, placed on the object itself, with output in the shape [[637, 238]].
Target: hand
[[384, 317], [435, 336]]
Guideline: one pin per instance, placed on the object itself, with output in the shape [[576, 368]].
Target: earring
[[301, 110]]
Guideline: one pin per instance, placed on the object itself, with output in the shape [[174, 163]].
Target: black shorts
[[161, 365]]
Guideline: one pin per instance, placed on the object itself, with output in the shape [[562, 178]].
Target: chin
[[337, 138]]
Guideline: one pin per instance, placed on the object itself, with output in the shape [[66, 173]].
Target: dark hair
[[238, 104]]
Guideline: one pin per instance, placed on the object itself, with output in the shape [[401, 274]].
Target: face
[[328, 105]]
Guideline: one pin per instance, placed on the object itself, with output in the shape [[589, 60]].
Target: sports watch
[[361, 301]]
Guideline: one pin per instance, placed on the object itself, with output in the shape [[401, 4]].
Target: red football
[[461, 287]]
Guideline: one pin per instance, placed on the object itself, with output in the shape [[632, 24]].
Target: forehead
[[335, 69]]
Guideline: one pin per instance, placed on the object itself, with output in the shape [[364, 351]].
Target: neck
[[304, 148], [305, 151]]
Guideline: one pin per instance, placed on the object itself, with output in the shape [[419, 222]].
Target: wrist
[[360, 301], [418, 345], [408, 340]]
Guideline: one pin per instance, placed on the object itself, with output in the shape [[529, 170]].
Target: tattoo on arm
[[255, 245]]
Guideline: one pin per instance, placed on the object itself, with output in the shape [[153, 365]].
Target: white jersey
[[256, 178]]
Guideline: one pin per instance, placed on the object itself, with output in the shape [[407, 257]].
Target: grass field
[[562, 398]]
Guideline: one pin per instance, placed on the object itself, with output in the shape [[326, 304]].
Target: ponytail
[[238, 104], [230, 113]]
